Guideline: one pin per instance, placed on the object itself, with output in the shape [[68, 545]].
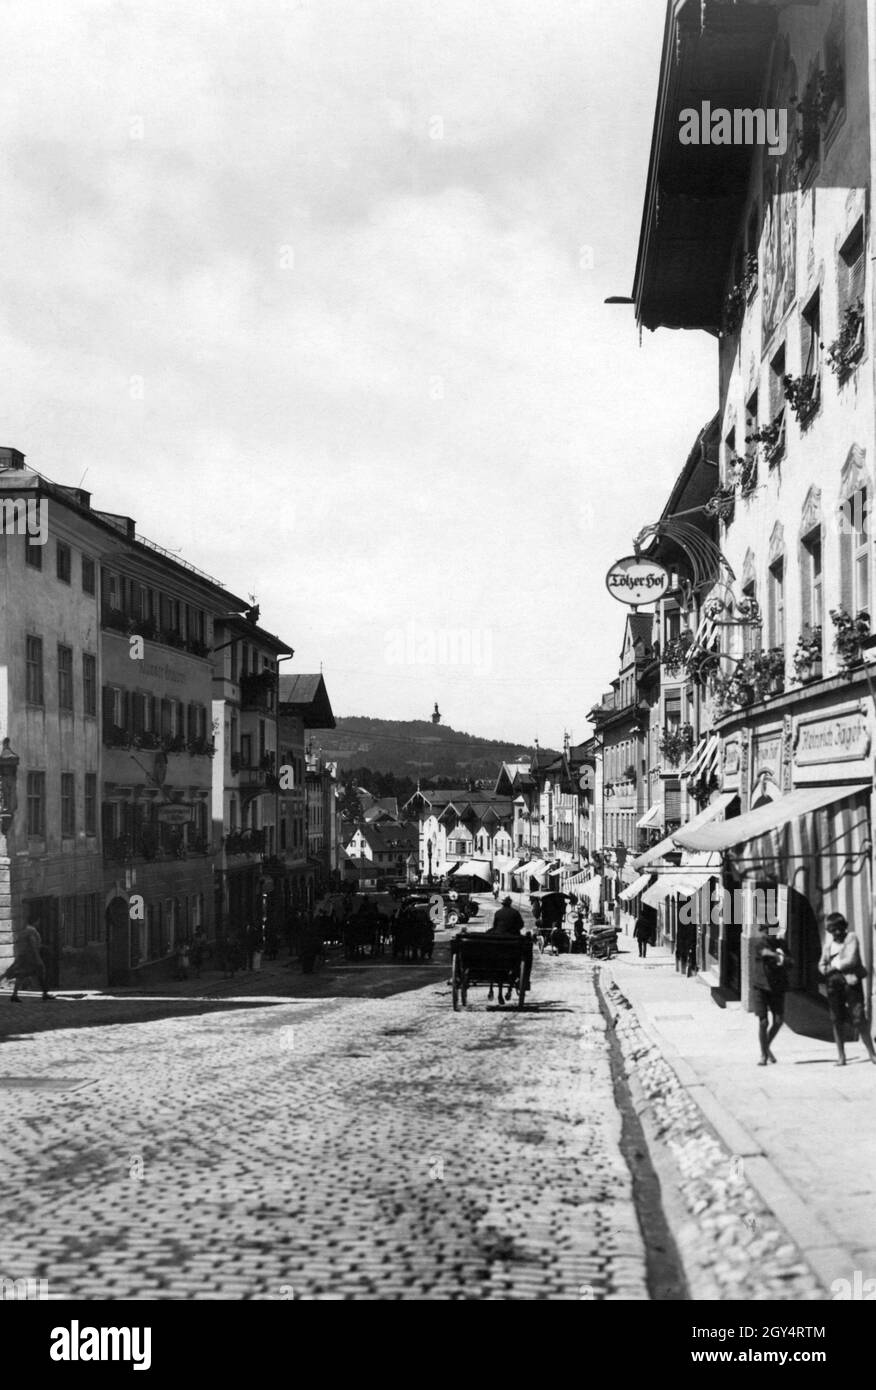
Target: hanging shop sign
[[635, 581], [731, 765], [827, 747], [174, 814]]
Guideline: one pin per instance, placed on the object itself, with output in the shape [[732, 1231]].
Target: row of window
[[33, 556], [141, 603], [133, 713], [34, 677], [851, 275], [854, 576], [80, 920], [36, 804]]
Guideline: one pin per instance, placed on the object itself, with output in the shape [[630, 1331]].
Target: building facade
[[771, 254]]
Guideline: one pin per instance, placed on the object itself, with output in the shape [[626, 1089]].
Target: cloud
[[315, 291]]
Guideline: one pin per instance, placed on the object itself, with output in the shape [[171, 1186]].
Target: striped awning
[[586, 887], [672, 885], [821, 853], [534, 869], [703, 760], [685, 835]]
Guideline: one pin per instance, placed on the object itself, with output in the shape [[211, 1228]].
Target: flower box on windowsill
[[771, 437], [803, 396], [847, 349]]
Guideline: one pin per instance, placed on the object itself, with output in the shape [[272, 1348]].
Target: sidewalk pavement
[[804, 1129]]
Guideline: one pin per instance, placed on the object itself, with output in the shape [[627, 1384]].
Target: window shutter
[[856, 274], [805, 587], [126, 710], [107, 698], [846, 598]]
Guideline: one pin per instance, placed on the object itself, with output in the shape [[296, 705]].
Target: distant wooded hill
[[417, 748]]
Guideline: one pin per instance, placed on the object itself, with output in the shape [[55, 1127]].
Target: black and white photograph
[[437, 672]]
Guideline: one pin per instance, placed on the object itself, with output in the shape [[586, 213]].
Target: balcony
[[150, 846], [256, 776], [245, 842], [114, 736], [258, 691]]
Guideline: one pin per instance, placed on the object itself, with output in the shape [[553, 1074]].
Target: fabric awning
[[714, 809], [635, 888], [653, 819], [703, 759], [589, 888], [672, 885], [786, 808], [533, 869], [503, 861]]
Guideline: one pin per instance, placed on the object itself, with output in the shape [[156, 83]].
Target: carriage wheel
[[452, 919], [456, 980], [521, 984]]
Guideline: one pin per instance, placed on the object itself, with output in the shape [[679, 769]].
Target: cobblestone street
[[322, 1147]]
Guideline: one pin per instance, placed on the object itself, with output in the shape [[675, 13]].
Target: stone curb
[[741, 1231]]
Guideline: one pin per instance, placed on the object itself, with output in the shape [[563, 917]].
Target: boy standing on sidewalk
[[770, 982]]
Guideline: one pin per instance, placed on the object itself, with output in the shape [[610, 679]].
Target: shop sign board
[[830, 747], [634, 581]]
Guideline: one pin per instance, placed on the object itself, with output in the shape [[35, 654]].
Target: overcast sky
[[314, 289]]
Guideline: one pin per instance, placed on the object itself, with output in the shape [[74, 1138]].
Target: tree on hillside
[[349, 801]]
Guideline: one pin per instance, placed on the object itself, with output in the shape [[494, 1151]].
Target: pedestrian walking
[[28, 963], [182, 961], [198, 951], [843, 972], [645, 930], [770, 984]]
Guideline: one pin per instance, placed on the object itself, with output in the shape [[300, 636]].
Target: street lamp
[[8, 775]]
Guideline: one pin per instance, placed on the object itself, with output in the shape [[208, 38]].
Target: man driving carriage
[[507, 922]]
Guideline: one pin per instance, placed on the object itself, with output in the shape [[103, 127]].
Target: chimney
[[11, 458]]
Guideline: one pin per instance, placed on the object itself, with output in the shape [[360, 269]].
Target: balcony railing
[[245, 842]]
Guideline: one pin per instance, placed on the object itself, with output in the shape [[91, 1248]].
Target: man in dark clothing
[[770, 983], [507, 921]]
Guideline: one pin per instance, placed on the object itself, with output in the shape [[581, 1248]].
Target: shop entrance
[[118, 941]]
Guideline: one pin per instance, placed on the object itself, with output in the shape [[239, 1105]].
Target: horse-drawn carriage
[[487, 959], [413, 933]]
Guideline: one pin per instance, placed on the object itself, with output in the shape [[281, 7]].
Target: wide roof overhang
[[718, 53]]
